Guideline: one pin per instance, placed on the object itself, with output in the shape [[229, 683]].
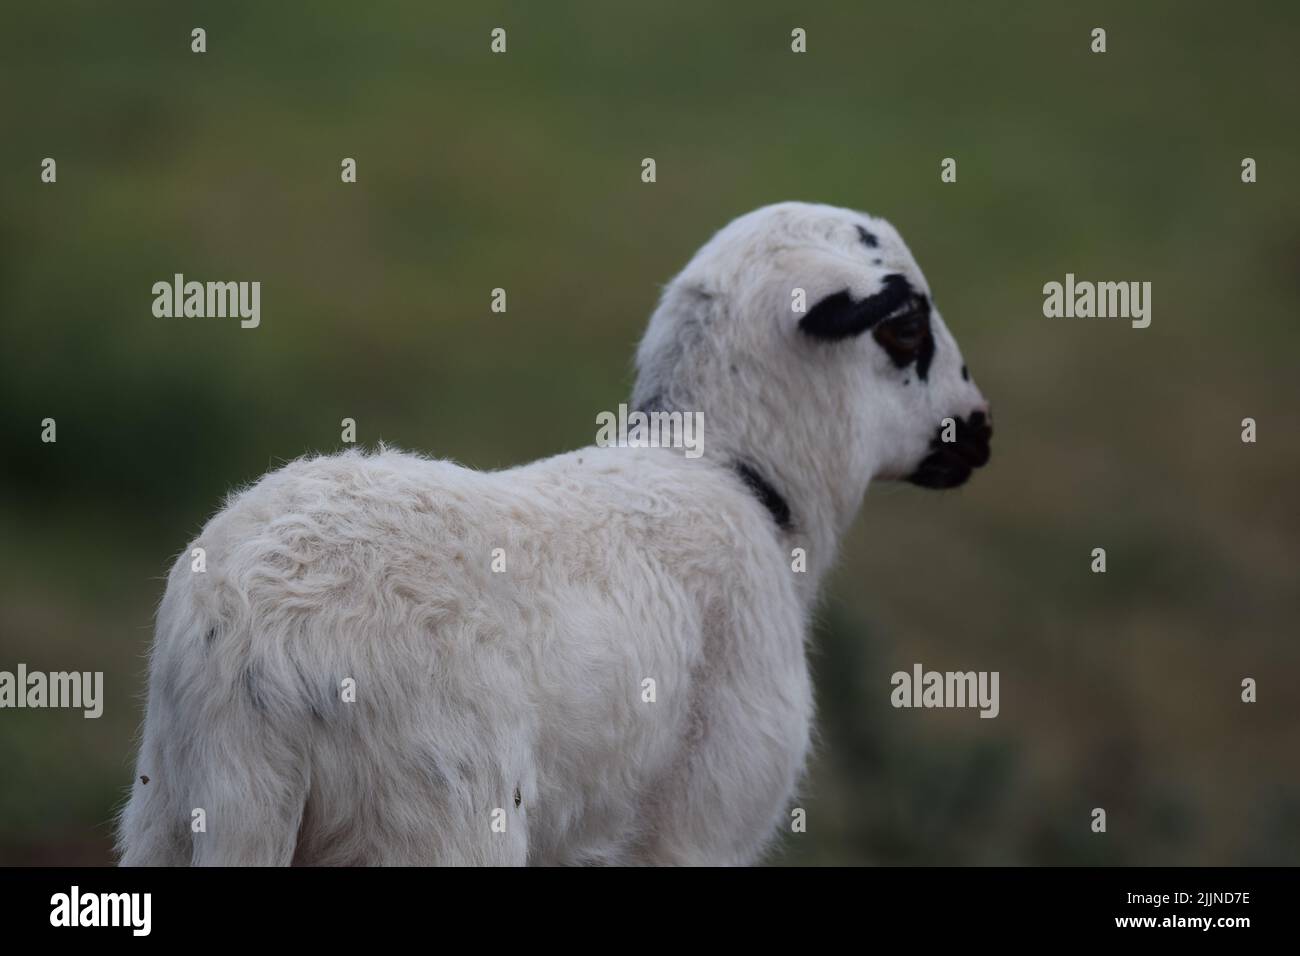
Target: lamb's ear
[[840, 316], [683, 316]]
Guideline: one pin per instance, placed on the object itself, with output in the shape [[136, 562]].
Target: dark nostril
[[980, 427]]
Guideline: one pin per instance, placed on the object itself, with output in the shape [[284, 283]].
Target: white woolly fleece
[[500, 716]]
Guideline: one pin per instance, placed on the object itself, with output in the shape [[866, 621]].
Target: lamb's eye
[[903, 337]]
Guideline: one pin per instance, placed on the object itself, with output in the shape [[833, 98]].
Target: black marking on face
[[906, 336], [211, 636], [965, 375], [868, 239], [519, 797], [769, 497], [840, 316], [949, 464]]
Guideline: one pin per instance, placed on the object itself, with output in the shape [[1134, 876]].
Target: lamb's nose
[[978, 432]]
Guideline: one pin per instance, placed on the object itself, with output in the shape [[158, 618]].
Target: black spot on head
[[840, 316], [868, 239], [875, 262], [211, 635], [519, 797], [965, 375], [145, 781], [898, 316]]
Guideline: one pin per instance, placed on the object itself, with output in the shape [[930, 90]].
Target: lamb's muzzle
[[950, 464]]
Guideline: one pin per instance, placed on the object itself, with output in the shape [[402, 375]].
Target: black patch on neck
[[840, 316], [768, 496], [868, 239]]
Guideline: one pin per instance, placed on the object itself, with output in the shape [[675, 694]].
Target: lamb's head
[[808, 337]]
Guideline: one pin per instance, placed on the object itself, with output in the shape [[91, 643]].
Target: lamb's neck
[[811, 516], [804, 479]]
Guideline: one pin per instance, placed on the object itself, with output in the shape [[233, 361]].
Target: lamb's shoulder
[[655, 499]]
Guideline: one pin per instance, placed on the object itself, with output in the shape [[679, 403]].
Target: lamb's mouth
[[950, 464]]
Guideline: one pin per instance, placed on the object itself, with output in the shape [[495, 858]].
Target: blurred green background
[[523, 171]]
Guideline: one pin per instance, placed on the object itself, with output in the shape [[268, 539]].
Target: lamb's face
[[869, 351]]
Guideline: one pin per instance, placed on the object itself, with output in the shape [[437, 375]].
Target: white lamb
[[505, 717]]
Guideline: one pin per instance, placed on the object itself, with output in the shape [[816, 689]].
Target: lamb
[[598, 658]]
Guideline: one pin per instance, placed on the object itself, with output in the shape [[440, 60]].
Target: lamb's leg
[[252, 789], [723, 810], [482, 835], [225, 746], [223, 789], [491, 827], [745, 748], [152, 829], [413, 782]]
